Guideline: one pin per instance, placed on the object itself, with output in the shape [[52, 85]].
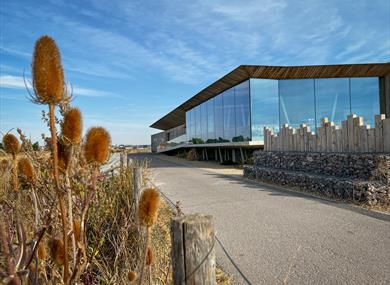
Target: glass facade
[[224, 118], [241, 112]]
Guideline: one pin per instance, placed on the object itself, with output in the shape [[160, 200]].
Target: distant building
[[232, 112]]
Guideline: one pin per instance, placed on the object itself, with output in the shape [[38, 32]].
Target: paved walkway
[[275, 236]]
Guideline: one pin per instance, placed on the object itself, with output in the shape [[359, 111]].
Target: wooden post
[[122, 159], [357, 124], [379, 132], [137, 187], [193, 251], [351, 143], [363, 145], [345, 145], [371, 138], [386, 135]]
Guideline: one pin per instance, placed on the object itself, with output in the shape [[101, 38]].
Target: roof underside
[[244, 72]]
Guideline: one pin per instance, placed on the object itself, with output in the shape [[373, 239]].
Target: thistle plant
[[147, 213]]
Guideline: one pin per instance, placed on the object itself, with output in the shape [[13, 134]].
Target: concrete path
[[275, 236]]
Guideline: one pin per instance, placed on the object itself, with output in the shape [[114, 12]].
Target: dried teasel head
[[97, 146], [149, 257], [47, 72], [63, 156], [26, 171], [72, 126], [11, 144], [148, 207], [57, 250], [132, 276], [4, 164]]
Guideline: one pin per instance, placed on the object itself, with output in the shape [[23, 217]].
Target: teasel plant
[[49, 88], [96, 150], [147, 213], [71, 133], [12, 147]]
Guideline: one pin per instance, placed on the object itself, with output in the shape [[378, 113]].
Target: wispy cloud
[[17, 82], [10, 81]]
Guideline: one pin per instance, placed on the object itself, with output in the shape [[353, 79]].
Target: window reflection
[[297, 102], [332, 99], [265, 106], [229, 116], [203, 121], [242, 106], [218, 109], [365, 98], [198, 128], [210, 120]]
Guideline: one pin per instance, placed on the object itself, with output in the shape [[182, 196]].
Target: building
[[230, 114]]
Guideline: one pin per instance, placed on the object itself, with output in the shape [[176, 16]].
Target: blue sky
[[131, 62]]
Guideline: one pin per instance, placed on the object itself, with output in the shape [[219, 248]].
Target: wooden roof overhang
[[244, 72]]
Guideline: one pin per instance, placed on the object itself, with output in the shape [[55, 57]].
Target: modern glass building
[[235, 109]]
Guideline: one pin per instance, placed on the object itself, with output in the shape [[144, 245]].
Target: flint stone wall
[[364, 178]]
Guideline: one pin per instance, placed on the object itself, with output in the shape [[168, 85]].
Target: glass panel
[[210, 121], [365, 98], [242, 102], [188, 125], [229, 116], [297, 102], [203, 116], [198, 132], [218, 108], [332, 99], [265, 107], [193, 124]]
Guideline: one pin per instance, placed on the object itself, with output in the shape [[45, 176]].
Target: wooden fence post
[[137, 185], [193, 251], [128, 161]]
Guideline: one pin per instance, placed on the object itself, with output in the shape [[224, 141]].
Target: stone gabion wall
[[347, 165], [360, 177]]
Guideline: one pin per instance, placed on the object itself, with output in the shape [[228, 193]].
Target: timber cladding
[[244, 72]]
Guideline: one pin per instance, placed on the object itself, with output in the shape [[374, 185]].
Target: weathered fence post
[[137, 185], [193, 251]]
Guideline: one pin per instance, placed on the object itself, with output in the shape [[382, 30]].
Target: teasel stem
[[15, 182], [35, 201], [148, 230], [57, 184], [70, 202], [88, 195]]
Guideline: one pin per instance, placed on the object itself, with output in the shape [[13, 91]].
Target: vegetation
[[63, 221]]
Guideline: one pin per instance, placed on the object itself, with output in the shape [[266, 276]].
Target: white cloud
[[17, 82], [10, 81], [77, 90]]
